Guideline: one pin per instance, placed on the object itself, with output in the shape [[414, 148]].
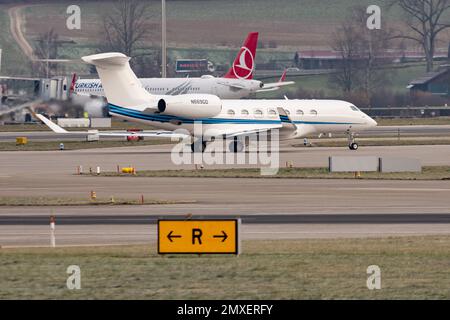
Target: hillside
[[203, 28]]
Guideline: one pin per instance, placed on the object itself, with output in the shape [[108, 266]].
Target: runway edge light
[[199, 236]]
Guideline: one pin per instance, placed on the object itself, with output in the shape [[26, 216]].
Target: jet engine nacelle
[[191, 106]]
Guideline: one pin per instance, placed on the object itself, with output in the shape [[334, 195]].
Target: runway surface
[[270, 208], [126, 219], [159, 157]]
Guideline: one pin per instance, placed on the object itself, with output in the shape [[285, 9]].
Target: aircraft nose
[[372, 123]]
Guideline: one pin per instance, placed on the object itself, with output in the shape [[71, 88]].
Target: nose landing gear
[[352, 145]]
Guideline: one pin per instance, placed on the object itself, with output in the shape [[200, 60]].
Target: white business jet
[[128, 100], [235, 84]]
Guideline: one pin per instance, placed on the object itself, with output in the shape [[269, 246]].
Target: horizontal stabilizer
[[149, 134], [50, 124], [120, 84]]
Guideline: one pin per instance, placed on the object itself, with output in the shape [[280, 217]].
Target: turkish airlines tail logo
[[72, 84], [244, 64]]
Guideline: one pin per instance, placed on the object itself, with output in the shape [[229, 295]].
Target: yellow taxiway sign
[[198, 236]]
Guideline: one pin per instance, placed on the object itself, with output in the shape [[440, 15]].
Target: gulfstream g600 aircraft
[[127, 99]]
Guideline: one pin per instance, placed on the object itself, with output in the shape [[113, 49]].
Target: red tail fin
[[244, 64], [283, 76], [72, 85]]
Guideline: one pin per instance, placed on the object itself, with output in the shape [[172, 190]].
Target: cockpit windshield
[[354, 108]]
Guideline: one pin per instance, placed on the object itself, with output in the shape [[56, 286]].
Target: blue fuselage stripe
[[168, 118]]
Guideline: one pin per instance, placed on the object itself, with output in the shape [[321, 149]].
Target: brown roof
[[428, 77]]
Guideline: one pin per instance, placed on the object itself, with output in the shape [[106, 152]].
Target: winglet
[[283, 76], [285, 118], [49, 123]]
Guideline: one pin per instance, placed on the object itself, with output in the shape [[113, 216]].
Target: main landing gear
[[198, 146], [352, 145], [236, 145]]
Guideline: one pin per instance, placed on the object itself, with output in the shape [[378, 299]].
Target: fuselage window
[[287, 112], [272, 112], [244, 112], [313, 112], [299, 112], [258, 113], [230, 112]]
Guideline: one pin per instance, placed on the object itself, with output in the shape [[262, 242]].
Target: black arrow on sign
[[170, 236], [224, 236]]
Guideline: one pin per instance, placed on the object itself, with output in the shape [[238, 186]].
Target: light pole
[[163, 40]]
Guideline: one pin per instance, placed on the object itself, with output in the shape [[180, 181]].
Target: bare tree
[[362, 60], [124, 27], [345, 41], [372, 54], [426, 20], [46, 48]]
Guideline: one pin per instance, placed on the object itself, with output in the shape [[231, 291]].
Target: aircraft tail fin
[[244, 63], [120, 84], [283, 76], [72, 84]]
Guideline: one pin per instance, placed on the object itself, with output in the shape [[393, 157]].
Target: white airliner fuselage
[[222, 87], [237, 83]]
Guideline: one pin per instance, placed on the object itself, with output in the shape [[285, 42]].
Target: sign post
[[192, 65], [199, 236]]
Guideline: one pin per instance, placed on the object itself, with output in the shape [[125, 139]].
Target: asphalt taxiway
[[270, 208]]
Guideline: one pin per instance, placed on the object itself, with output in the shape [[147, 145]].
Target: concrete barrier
[[73, 122], [100, 122], [393, 164], [353, 164], [372, 164]]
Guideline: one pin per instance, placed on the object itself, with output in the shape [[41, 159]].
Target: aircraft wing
[[151, 134], [234, 85], [19, 78], [276, 85], [247, 132], [231, 132], [148, 134], [19, 107]]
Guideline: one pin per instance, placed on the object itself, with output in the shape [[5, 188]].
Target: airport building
[[330, 59], [436, 83]]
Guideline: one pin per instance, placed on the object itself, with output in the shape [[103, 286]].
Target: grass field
[[411, 268], [413, 121], [385, 141], [54, 201], [292, 24], [14, 62], [77, 145], [398, 80], [428, 173]]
